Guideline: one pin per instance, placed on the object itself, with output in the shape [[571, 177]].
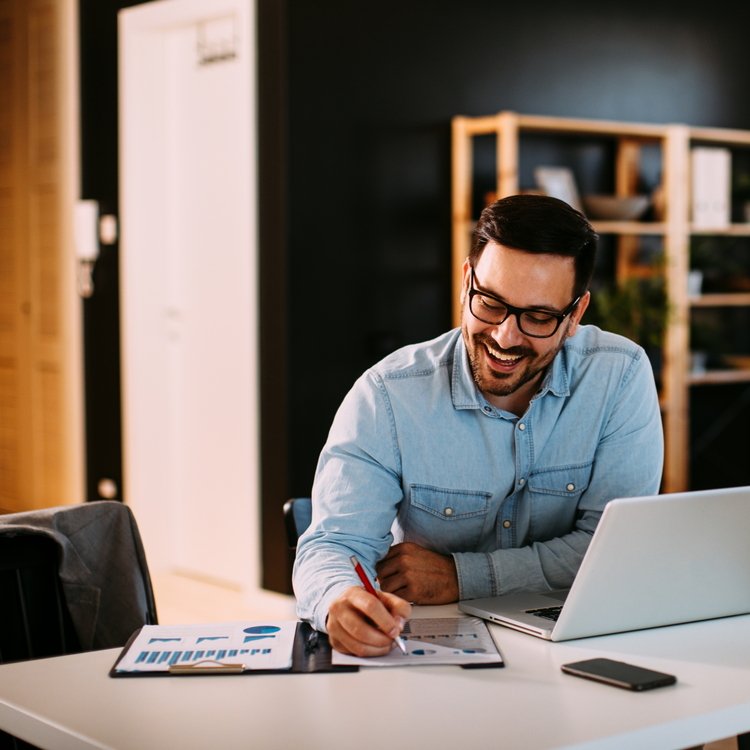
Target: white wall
[[188, 255]]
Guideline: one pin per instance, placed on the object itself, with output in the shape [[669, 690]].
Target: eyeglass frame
[[519, 311]]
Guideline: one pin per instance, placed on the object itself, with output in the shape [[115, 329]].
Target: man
[[480, 462]]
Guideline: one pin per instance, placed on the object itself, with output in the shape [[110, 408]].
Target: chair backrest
[[82, 564], [297, 517]]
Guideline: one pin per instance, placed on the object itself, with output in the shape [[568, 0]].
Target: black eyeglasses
[[539, 324]]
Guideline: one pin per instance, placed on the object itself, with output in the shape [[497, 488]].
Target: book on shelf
[[711, 187]]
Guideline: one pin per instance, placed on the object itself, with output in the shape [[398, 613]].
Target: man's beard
[[504, 384]]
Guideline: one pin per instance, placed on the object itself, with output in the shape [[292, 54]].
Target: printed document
[[249, 645], [436, 640]]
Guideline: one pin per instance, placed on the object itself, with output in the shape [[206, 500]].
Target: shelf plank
[[726, 299], [629, 227], [721, 135], [718, 377], [644, 131], [486, 124], [733, 230]]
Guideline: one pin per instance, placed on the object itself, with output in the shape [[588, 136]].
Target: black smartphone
[[619, 673]]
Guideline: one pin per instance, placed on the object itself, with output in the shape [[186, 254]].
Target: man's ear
[[466, 270], [577, 314]]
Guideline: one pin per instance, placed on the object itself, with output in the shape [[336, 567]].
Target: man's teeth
[[502, 356]]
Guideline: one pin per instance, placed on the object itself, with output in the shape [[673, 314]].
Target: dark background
[[355, 103]]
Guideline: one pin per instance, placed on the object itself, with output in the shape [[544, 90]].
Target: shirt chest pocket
[[554, 495], [446, 520]]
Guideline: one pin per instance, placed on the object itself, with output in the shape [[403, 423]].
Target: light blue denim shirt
[[416, 453]]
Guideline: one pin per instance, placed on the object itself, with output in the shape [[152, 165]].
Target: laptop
[[652, 561]]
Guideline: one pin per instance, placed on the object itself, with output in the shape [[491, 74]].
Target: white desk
[[70, 702]]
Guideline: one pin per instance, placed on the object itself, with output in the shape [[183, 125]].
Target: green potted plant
[[636, 308]]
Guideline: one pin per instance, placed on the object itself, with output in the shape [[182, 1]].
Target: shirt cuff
[[320, 612], [476, 575]]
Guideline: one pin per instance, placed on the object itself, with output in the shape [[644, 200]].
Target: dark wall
[[372, 89], [355, 105], [101, 334]]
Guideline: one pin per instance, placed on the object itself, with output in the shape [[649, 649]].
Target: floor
[[182, 599]]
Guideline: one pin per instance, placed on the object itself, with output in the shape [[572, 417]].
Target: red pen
[[371, 589]]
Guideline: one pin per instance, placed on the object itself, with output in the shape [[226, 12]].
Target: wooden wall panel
[[38, 465], [15, 435]]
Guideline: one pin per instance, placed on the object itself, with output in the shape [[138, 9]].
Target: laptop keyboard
[[549, 613]]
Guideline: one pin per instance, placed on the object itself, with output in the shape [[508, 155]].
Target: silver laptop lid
[[656, 560], [662, 560]]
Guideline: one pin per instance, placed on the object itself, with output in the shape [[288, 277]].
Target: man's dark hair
[[539, 224]]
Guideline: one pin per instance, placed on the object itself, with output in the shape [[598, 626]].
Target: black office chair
[[35, 622], [72, 578], [297, 517]]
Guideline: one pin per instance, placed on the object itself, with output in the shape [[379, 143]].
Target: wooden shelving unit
[[674, 227]]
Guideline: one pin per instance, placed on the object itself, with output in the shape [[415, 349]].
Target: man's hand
[[418, 574], [365, 625]]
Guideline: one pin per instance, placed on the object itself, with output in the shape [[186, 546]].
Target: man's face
[[507, 363]]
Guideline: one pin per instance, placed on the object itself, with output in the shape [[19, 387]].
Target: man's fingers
[[399, 607], [418, 574], [365, 625]]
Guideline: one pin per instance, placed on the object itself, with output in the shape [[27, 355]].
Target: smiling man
[[480, 462]]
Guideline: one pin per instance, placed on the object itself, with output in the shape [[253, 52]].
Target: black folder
[[311, 652]]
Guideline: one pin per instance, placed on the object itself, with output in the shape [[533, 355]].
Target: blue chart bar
[[172, 657]]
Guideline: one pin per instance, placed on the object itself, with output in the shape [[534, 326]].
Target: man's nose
[[507, 333]]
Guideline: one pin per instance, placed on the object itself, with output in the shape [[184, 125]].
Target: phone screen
[[619, 673]]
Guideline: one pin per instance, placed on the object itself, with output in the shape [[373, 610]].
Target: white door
[[189, 285]]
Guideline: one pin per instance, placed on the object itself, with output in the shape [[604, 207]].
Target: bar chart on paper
[[249, 645]]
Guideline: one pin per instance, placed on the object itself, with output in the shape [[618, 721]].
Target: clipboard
[[311, 652]]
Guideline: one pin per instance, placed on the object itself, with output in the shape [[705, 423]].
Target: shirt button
[[521, 482], [448, 512], [506, 524], [521, 426], [570, 487], [487, 409]]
